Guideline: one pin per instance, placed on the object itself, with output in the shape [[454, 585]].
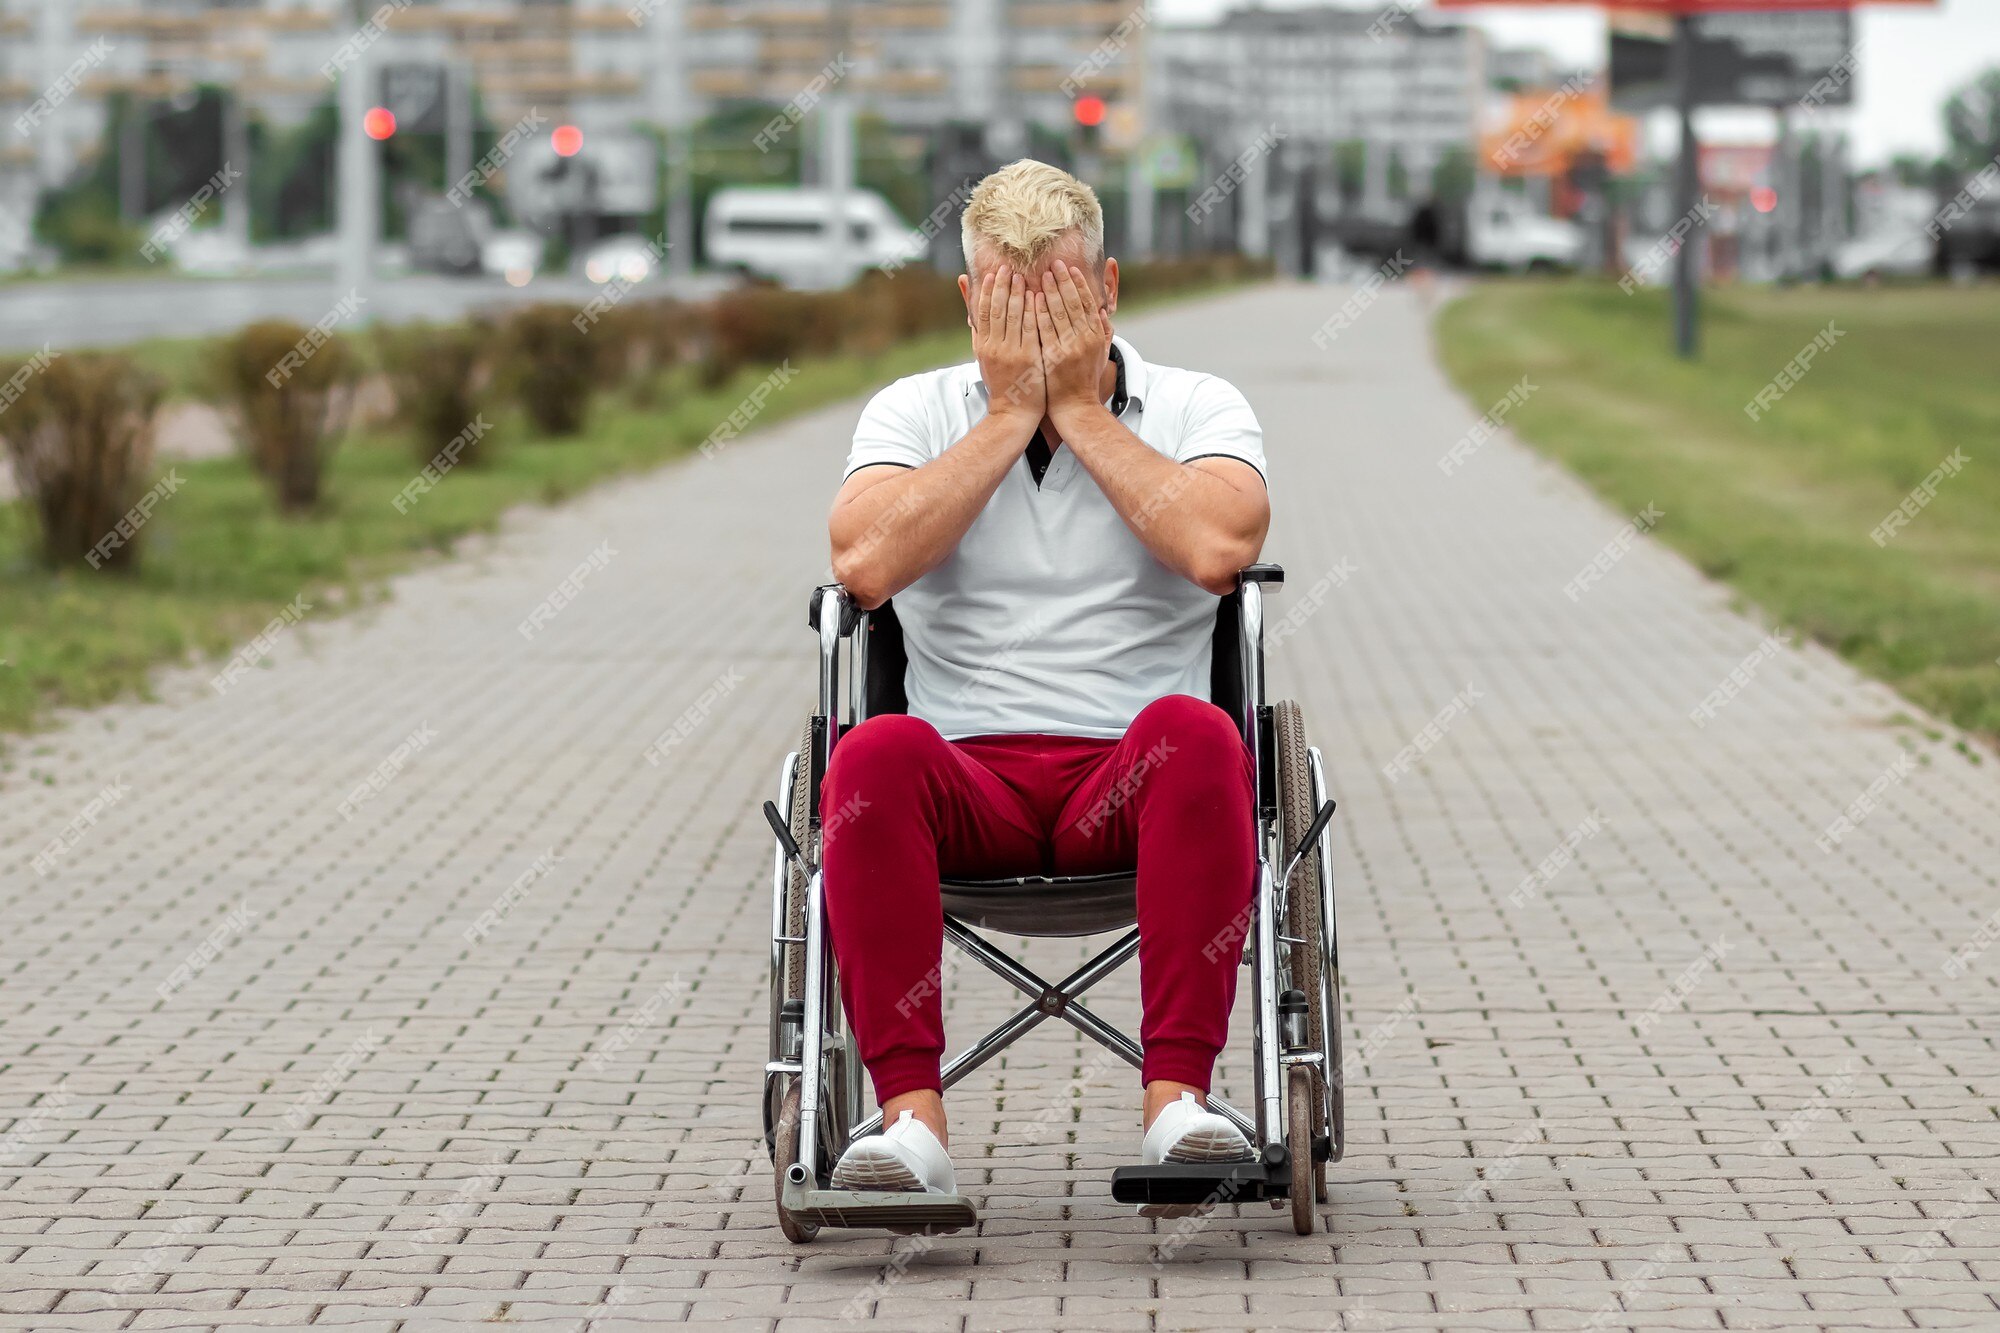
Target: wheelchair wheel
[[1302, 1101], [797, 1230], [1298, 803], [794, 979]]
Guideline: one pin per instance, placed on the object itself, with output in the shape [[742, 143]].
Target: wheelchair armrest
[[1260, 573], [850, 610]]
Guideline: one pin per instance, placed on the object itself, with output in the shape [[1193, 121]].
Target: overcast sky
[[1911, 56]]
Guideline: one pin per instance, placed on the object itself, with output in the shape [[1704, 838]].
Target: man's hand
[[1075, 338], [1008, 345]]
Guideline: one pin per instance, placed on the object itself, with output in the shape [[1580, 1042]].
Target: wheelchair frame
[[812, 1101]]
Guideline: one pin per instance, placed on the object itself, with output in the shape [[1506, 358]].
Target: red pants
[[901, 805]]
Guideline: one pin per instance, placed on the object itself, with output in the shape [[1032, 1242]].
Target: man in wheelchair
[[1056, 521]]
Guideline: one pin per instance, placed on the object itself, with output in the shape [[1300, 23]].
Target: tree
[[1972, 124]]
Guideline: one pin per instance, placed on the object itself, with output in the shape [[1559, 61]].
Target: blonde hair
[[1025, 207]]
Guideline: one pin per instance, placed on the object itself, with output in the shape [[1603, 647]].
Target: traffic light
[[1764, 199], [1089, 111], [379, 123], [567, 140]]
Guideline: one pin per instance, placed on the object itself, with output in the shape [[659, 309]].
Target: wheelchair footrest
[[911, 1213], [1201, 1182]]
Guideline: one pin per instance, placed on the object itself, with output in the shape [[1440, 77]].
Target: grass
[[1782, 508], [218, 561]]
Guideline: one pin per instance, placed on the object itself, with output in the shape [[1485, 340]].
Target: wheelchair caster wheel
[[1301, 1097], [797, 1230]]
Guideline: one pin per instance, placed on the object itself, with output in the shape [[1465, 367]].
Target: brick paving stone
[[351, 1112]]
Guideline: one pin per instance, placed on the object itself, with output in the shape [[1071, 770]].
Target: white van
[[782, 233]]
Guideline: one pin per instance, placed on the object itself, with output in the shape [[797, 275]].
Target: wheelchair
[[813, 1083]]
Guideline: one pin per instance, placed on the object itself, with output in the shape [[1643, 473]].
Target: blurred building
[[1402, 93]]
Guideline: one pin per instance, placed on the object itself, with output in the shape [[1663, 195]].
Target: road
[[1634, 1043]]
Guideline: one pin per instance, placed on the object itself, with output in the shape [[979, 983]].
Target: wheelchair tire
[[795, 881], [1302, 897], [797, 1230]]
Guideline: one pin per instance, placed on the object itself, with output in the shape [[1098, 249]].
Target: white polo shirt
[[1051, 617]]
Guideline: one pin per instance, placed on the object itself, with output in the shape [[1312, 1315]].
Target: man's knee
[[1181, 723], [881, 751]]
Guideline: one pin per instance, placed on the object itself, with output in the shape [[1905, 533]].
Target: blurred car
[[209, 252], [785, 234], [1506, 233], [626, 257], [1899, 253], [513, 255]]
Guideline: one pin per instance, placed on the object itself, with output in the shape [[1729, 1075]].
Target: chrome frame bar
[[812, 1072], [780, 884]]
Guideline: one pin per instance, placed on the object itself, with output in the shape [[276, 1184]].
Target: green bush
[[763, 326], [79, 429], [442, 375], [551, 365], [289, 390]]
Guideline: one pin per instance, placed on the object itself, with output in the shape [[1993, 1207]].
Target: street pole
[[1687, 185], [837, 150], [357, 170], [457, 122], [236, 158]]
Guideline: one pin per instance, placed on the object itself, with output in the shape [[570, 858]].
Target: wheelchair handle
[[785, 840], [1319, 824]]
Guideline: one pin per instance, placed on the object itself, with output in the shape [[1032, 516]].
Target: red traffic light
[[567, 140], [1764, 199], [379, 123], [1089, 110]]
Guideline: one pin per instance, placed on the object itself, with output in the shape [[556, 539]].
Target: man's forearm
[[898, 530], [1195, 523]]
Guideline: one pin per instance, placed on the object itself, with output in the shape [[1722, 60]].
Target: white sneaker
[[905, 1157], [1187, 1131]]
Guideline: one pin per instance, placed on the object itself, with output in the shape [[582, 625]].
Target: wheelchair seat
[[1052, 905]]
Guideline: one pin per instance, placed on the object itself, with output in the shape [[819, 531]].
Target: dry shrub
[[290, 390], [763, 326], [79, 429], [442, 375], [551, 365]]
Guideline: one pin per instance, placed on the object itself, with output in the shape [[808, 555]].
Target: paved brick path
[[1705, 1074]]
